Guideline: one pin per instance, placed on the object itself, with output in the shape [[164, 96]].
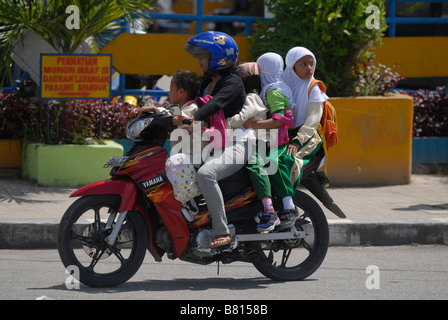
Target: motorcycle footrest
[[271, 236]]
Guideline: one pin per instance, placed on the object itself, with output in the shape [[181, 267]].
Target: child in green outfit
[[277, 96]]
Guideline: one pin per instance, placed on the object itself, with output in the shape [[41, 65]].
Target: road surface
[[402, 272]]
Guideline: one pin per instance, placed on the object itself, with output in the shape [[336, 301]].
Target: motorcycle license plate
[[115, 162]]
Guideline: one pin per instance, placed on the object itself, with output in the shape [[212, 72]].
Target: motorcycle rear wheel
[[82, 231], [292, 260]]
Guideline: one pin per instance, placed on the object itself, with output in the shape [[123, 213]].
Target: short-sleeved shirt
[[276, 102]]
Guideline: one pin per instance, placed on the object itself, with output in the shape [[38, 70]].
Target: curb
[[19, 234], [380, 232]]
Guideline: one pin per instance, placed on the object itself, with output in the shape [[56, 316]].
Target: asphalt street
[[376, 215], [348, 273]]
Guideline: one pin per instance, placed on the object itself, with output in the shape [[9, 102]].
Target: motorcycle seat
[[235, 183]]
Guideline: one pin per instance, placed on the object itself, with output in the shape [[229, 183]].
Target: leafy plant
[[99, 21], [335, 31], [430, 112], [16, 115], [374, 80], [68, 124], [115, 116], [71, 121]]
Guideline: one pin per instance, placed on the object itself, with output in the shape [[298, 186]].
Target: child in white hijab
[[277, 96], [307, 110]]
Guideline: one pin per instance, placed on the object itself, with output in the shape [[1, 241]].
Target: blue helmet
[[220, 47]]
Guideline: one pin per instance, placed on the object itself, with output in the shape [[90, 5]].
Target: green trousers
[[277, 176], [265, 181]]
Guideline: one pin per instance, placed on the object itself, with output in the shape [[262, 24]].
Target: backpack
[[328, 122]]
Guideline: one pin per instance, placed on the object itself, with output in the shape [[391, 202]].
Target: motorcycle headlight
[[136, 126]]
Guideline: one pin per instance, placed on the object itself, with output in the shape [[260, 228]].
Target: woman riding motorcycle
[[217, 54]]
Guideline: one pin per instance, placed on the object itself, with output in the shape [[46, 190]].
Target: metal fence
[[392, 20]]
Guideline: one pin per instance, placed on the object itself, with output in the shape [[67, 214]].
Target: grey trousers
[[232, 159]]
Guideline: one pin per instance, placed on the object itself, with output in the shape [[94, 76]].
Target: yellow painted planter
[[10, 154], [68, 165], [374, 141]]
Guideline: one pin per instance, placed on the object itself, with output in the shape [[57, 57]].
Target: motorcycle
[[107, 231]]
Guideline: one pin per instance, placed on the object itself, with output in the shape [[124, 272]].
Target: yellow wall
[[187, 6], [374, 141], [416, 56], [157, 54], [10, 154]]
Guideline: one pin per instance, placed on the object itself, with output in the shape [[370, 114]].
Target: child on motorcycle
[[305, 141], [277, 96], [217, 54], [184, 88]]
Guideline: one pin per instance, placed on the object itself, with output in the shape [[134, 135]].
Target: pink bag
[[287, 123], [217, 125]]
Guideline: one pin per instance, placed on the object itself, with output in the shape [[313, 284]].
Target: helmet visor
[[197, 52]]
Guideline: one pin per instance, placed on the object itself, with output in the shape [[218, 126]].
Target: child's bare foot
[[220, 241]]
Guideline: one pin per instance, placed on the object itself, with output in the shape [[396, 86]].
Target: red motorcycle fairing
[[147, 169], [127, 191], [144, 172], [125, 188], [246, 197]]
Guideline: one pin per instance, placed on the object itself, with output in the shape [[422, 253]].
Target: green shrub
[[375, 79], [71, 121], [334, 30], [430, 112]]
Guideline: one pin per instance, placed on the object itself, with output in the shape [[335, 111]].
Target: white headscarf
[[299, 86], [270, 66]]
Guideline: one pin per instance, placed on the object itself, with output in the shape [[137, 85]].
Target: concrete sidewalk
[[385, 215]]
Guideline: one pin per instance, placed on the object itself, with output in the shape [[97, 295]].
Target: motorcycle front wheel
[[81, 241], [291, 260]]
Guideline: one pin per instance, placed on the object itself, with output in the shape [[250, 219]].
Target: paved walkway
[[383, 215]]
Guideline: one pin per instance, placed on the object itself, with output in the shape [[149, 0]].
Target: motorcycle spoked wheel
[[81, 242], [292, 260]]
